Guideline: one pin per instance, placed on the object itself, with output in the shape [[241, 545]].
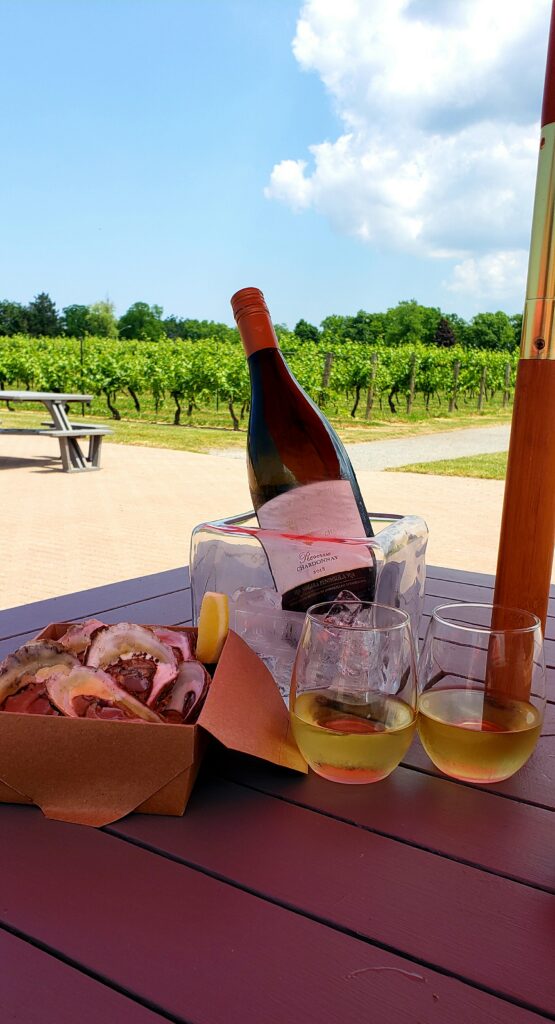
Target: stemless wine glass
[[353, 690], [482, 690]]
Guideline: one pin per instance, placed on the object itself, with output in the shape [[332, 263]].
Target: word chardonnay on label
[[300, 476]]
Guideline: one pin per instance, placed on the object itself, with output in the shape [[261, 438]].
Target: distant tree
[[307, 332], [42, 316], [516, 324], [142, 322], [410, 323], [459, 327], [283, 334], [444, 336], [75, 321], [197, 330], [102, 319], [335, 328], [366, 328], [492, 331], [13, 318], [173, 327]]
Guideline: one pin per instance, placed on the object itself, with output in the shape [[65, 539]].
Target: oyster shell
[[135, 658], [19, 670], [184, 698], [77, 638], [179, 642], [84, 692], [31, 699]]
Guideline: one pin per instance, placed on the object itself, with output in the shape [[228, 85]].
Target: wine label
[[309, 571]]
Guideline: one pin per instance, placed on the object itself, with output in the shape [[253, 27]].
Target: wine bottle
[[300, 476]]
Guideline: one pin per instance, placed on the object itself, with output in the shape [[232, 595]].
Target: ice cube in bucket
[[228, 556]]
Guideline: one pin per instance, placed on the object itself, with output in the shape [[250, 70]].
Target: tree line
[[407, 323]]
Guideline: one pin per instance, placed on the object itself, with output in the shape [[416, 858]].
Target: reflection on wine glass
[[482, 690], [353, 690]]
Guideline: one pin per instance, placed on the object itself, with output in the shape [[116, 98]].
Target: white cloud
[[440, 104], [494, 275]]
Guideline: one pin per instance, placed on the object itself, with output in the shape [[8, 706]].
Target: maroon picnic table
[[281, 898]]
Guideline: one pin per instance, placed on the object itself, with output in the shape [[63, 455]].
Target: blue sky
[[337, 155]]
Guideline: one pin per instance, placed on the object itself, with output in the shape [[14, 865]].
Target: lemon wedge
[[213, 624]]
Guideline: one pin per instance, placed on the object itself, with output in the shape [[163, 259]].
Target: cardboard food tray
[[93, 772]]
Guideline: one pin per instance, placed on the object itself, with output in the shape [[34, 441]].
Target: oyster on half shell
[[21, 688], [179, 642], [184, 698], [135, 659], [83, 692], [77, 638]]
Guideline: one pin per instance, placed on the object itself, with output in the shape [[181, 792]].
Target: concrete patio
[[65, 532]]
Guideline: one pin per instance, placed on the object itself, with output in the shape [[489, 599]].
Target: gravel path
[[449, 444]]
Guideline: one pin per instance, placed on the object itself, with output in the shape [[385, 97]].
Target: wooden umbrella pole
[[528, 519]]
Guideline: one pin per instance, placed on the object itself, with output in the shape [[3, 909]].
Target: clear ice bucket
[[229, 556]]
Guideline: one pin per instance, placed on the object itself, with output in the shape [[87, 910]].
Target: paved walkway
[[449, 444], [64, 532]]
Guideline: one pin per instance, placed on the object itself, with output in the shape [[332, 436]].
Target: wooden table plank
[[167, 610], [450, 592], [318, 918], [36, 988], [534, 783], [484, 929], [205, 951], [454, 585], [115, 597], [481, 579], [512, 839]]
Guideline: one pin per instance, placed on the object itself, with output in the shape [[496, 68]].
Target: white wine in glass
[[353, 690], [482, 698]]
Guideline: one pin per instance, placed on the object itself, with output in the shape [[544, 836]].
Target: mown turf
[[212, 429], [492, 466]]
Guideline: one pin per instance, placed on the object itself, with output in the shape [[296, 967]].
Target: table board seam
[[391, 835], [326, 923], [98, 611], [470, 785], [90, 973]]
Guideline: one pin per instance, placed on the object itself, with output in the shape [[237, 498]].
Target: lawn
[[210, 428], [492, 466]]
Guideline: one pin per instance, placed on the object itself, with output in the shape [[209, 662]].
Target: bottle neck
[[257, 332]]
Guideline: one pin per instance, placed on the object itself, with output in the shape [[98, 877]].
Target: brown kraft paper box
[[93, 772]]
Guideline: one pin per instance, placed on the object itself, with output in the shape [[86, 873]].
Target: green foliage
[[411, 323], [516, 324], [366, 328], [193, 374], [283, 335], [75, 320], [102, 319], [142, 322], [493, 331], [19, 364], [408, 323], [334, 330], [459, 327], [13, 318], [306, 332], [198, 330], [42, 317]]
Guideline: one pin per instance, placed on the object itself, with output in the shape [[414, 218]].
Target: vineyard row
[[194, 373]]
